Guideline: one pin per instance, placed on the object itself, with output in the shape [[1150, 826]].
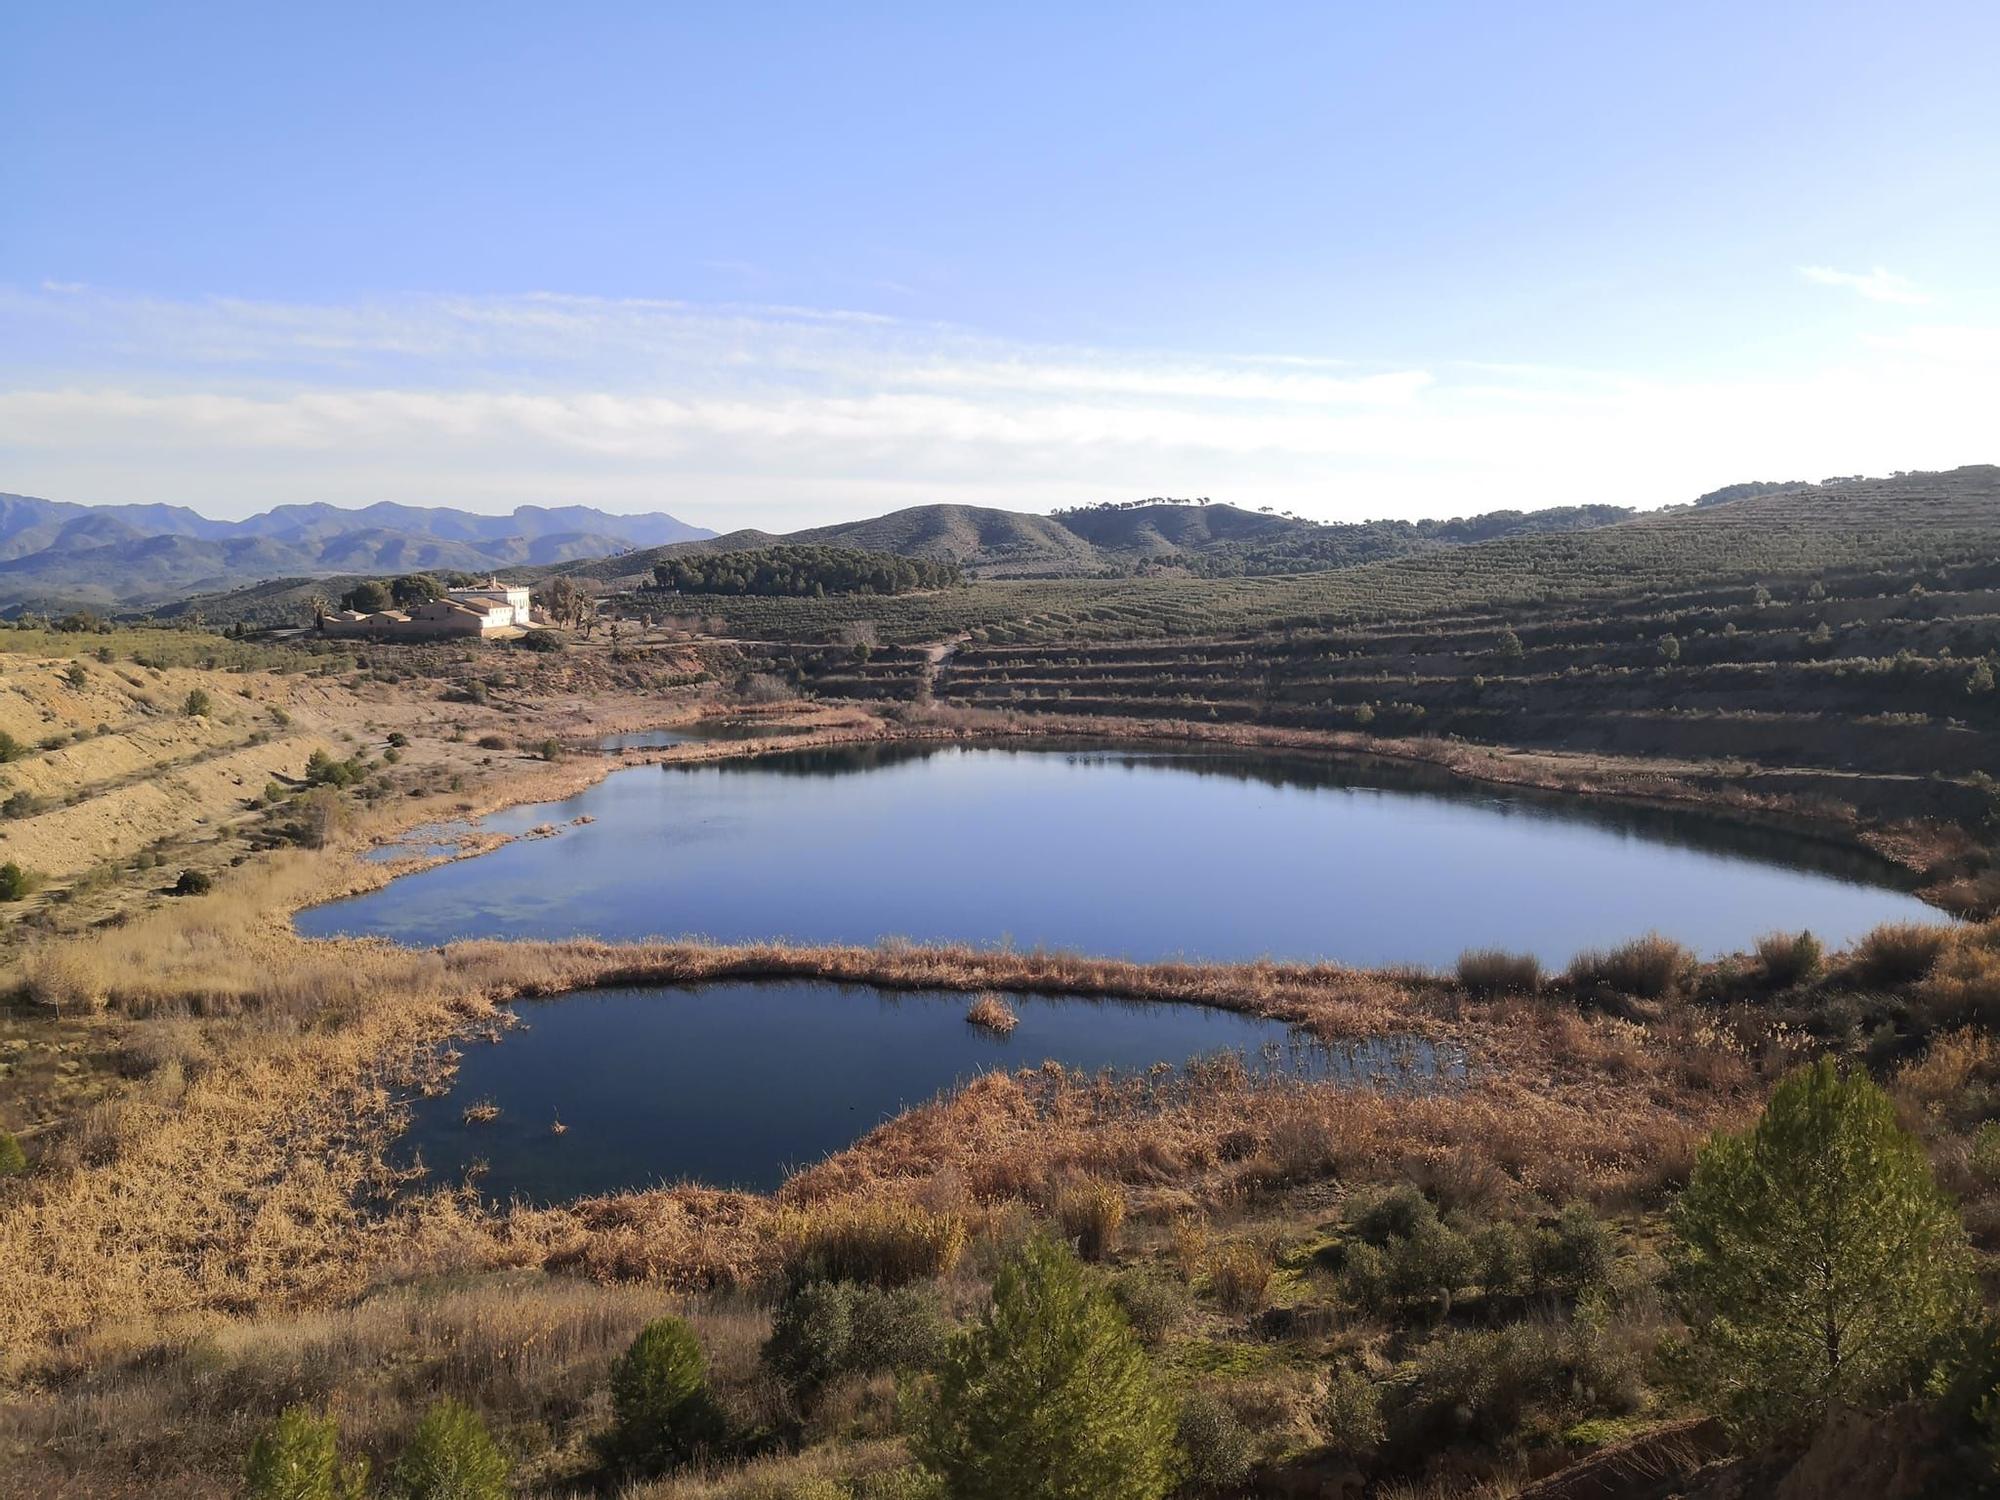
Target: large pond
[[1135, 854], [733, 1084]]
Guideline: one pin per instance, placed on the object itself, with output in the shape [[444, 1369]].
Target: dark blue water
[[732, 1084], [1136, 855]]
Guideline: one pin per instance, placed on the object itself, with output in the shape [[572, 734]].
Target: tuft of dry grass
[[1788, 958], [992, 1013], [1239, 1277], [1493, 971], [884, 1242], [1091, 1214], [1649, 967], [1900, 952]]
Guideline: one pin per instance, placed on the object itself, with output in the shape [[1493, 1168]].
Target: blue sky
[[774, 264]]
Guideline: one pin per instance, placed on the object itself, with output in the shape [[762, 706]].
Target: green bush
[[1153, 1305], [1507, 1387], [541, 640], [15, 882], [1214, 1446], [1985, 1153], [193, 883], [1814, 1258], [663, 1414], [1352, 1417], [11, 748], [13, 1160], [451, 1456], [1786, 959], [1049, 1397], [196, 705], [824, 1330], [297, 1458], [323, 770], [1574, 1255]]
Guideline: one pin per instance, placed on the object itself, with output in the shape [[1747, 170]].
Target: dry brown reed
[[992, 1013]]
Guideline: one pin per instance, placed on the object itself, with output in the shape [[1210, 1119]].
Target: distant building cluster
[[490, 609]]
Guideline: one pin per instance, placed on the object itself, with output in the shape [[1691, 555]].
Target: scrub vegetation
[[1722, 1224]]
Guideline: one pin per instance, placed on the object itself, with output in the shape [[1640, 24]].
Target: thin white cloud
[[1878, 285], [784, 417]]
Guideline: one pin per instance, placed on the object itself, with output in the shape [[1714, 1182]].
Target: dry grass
[[993, 1013], [884, 1242], [1899, 952], [1492, 971], [1091, 1214], [1649, 967]]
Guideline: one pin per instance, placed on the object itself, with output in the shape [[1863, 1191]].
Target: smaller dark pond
[[734, 1085]]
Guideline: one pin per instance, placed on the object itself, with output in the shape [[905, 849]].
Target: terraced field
[[1916, 523]]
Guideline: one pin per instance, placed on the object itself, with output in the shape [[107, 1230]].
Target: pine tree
[[451, 1456], [1815, 1258], [1050, 1397]]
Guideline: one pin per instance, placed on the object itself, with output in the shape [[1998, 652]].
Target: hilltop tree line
[[803, 572]]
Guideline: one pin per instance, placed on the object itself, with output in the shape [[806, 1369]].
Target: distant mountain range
[[128, 556], [1147, 537]]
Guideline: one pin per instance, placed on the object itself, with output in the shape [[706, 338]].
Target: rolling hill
[[54, 554]]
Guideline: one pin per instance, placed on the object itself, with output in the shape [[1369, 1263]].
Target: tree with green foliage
[[1815, 1258], [297, 1458], [803, 572], [664, 1414], [415, 588], [1050, 1396], [76, 676], [451, 1456], [13, 1160], [197, 704], [15, 882], [369, 596]]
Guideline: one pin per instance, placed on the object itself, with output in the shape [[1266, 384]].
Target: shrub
[[1352, 1416], [1574, 1255], [1985, 1154], [196, 705], [1396, 1214], [881, 1242], [1648, 967], [1501, 1387], [1785, 959], [1214, 1447], [1490, 971], [451, 1456], [76, 677], [193, 883], [1502, 1258], [1153, 1305], [13, 1160], [1091, 1212], [1826, 1204], [826, 1329], [663, 1414], [1239, 1276], [1900, 952], [15, 882], [541, 640], [493, 742], [323, 770], [1049, 1397], [297, 1458], [11, 748]]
